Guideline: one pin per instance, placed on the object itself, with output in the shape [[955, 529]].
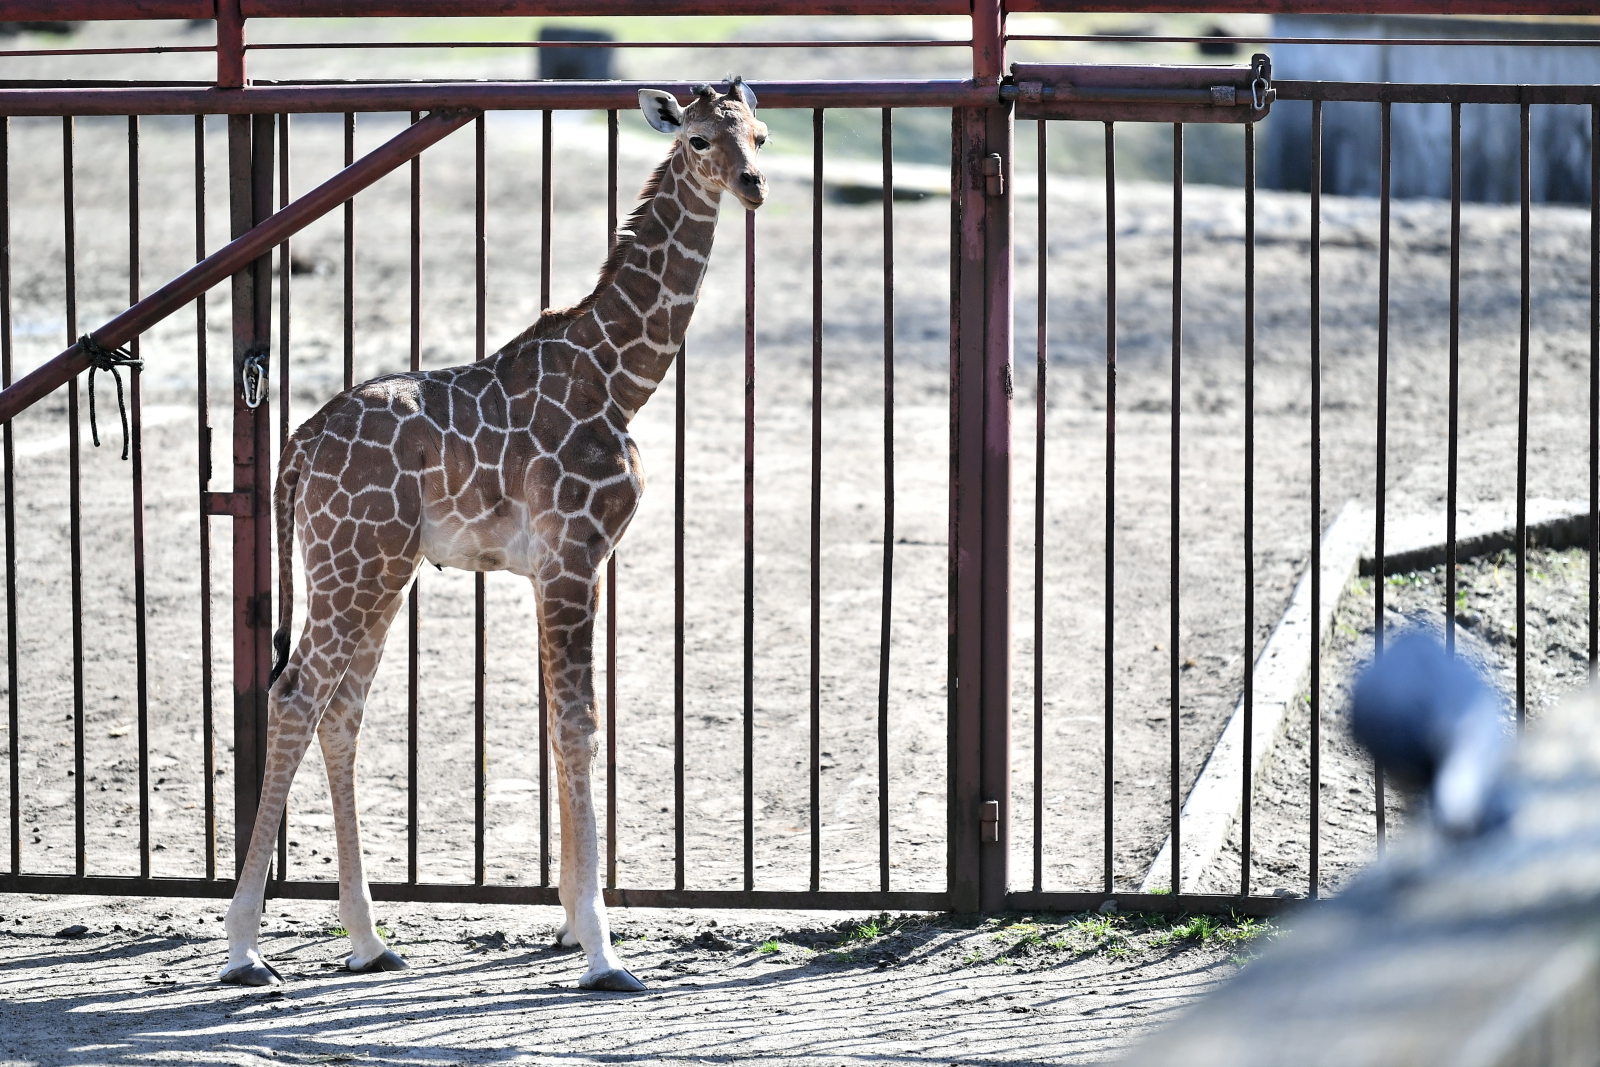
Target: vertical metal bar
[[816, 497], [1594, 389], [74, 490], [250, 175], [887, 608], [1380, 489], [1526, 182], [611, 564], [545, 202], [1453, 451], [678, 416], [1249, 657], [414, 605], [750, 570], [1316, 492], [479, 598], [1108, 773], [1174, 656], [350, 258], [203, 419], [13, 700], [1041, 353], [141, 648], [284, 271]]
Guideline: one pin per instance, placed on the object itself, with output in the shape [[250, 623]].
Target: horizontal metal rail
[[1404, 42], [310, 46], [1428, 93], [233, 257], [484, 96], [30, 10]]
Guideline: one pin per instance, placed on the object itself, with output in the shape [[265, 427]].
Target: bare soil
[[137, 986]]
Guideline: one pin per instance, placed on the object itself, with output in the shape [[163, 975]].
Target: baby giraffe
[[521, 462]]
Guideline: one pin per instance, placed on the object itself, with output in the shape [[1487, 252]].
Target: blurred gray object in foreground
[[1558, 137], [578, 64], [1474, 954]]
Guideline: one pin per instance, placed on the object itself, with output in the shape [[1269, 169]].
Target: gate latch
[[1105, 92], [989, 823], [994, 177], [253, 378]]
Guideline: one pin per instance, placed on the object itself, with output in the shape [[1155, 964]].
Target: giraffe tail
[[283, 516]]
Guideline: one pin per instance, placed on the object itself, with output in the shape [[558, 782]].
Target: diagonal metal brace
[[235, 256]]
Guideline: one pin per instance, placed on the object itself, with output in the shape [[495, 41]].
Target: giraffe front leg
[[567, 608]]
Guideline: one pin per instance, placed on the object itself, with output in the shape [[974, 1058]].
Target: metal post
[[980, 511], [250, 159]]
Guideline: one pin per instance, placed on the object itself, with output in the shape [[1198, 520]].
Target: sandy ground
[[137, 987]]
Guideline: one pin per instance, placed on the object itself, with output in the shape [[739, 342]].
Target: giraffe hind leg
[[295, 705], [339, 734]]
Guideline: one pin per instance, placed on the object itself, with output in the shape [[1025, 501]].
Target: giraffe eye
[[700, 143], [761, 141]]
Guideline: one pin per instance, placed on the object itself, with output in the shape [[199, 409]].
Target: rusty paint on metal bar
[[238, 254], [1249, 657], [135, 419], [203, 419], [750, 562], [1453, 453], [887, 605], [74, 487], [1041, 367], [1317, 7], [100, 10], [818, 119], [230, 41], [1109, 717], [1316, 495], [1174, 655], [13, 698], [487, 96], [1403, 42], [1525, 180], [611, 563]]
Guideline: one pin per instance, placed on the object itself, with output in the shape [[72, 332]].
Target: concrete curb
[[1281, 674]]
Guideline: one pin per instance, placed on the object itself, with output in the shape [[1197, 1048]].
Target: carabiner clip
[[1261, 79], [253, 378]]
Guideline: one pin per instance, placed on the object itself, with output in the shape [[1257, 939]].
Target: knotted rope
[[108, 359]]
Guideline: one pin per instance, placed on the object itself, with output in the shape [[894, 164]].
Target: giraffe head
[[718, 136]]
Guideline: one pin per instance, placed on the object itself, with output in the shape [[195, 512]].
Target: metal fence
[[979, 815]]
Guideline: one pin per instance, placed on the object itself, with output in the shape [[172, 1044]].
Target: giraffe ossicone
[[520, 462]]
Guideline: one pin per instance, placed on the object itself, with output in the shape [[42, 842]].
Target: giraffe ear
[[739, 87], [661, 110]]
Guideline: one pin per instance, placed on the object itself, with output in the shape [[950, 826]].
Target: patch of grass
[[768, 948], [867, 931], [338, 931], [1414, 578]]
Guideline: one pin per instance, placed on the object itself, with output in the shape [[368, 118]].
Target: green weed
[[767, 948]]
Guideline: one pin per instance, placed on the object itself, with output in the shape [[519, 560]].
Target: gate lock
[[989, 822], [1120, 93]]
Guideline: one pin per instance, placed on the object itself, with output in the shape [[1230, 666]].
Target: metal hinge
[[989, 822], [994, 177]]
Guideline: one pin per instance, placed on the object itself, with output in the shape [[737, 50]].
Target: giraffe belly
[[496, 543]]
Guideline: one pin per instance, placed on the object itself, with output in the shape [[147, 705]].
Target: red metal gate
[[980, 645]]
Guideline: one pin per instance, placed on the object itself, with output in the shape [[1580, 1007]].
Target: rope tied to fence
[[106, 359]]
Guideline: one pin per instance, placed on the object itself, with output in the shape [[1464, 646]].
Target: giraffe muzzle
[[751, 188]]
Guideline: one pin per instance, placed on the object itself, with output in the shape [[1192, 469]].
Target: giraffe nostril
[[751, 178]]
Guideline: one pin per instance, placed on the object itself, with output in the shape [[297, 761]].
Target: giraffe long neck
[[643, 313]]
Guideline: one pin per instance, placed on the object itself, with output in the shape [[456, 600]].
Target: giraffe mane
[[554, 319]]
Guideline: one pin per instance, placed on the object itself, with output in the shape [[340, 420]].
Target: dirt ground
[[138, 987]]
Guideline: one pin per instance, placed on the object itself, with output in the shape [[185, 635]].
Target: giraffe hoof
[[618, 980], [389, 960], [256, 971]]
